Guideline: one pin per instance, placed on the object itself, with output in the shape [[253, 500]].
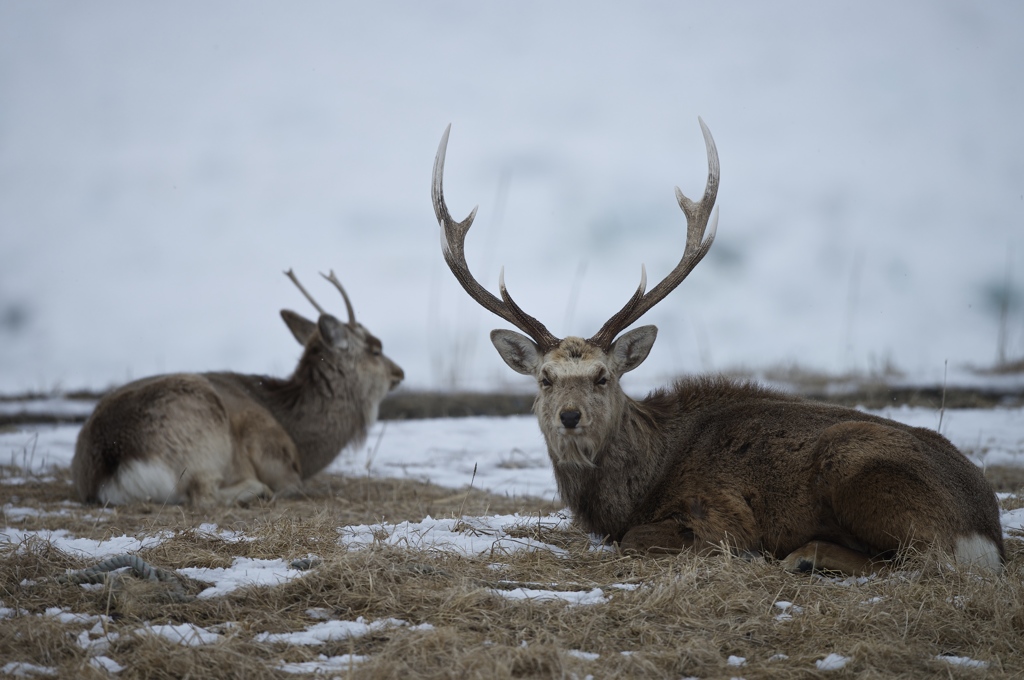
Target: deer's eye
[[603, 380], [544, 382]]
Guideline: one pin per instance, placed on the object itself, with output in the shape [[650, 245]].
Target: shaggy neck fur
[[647, 440], [320, 407], [604, 490]]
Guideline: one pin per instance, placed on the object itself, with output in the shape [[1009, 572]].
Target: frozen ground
[[501, 455], [161, 164]]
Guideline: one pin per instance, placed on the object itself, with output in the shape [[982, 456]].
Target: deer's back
[[744, 429]]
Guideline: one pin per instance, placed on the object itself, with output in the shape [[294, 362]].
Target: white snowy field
[[162, 163]]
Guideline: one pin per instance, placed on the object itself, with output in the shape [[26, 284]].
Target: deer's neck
[[318, 408], [605, 498]]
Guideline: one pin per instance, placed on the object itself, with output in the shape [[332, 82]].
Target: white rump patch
[[150, 481], [978, 551]]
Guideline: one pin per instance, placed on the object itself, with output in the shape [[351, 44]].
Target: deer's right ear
[[301, 327], [334, 332], [518, 351]]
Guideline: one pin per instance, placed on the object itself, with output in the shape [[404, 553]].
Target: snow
[[243, 572], [832, 662], [1012, 520], [572, 597], [962, 661], [788, 609], [186, 634], [67, 408], [507, 454], [464, 536], [323, 665], [21, 669], [330, 631], [82, 547], [159, 173], [105, 663]]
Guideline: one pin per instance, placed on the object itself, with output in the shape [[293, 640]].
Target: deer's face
[[580, 401], [365, 352]]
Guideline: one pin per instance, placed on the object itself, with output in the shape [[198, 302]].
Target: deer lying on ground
[[710, 462], [209, 438]]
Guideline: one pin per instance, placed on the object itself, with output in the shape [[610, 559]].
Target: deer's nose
[[570, 418], [397, 375]]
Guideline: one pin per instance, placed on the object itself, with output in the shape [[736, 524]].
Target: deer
[[225, 438], [712, 463]]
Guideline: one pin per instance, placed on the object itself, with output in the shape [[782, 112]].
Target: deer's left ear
[[301, 327], [630, 350]]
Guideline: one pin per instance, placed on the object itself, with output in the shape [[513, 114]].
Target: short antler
[[337, 284], [291, 275], [697, 217], [348, 304], [453, 242]]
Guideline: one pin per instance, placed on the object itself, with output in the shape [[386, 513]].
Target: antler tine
[[348, 303], [453, 247], [291, 275], [534, 328], [697, 222]]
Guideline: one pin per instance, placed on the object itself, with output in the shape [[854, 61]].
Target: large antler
[[697, 216], [453, 246]]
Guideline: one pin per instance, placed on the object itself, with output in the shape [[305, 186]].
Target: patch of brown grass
[[1005, 478], [664, 617]]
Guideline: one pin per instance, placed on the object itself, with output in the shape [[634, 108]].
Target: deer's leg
[[883, 490], [707, 524], [825, 556], [245, 491], [276, 461], [264, 451], [665, 537]]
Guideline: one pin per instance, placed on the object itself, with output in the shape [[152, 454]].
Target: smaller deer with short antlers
[[710, 462], [224, 437]]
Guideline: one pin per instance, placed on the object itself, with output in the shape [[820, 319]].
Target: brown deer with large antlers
[[710, 463], [224, 437]]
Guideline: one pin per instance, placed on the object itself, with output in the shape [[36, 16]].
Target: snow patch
[[832, 662]]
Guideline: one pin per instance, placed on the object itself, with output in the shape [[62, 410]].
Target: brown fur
[[226, 437]]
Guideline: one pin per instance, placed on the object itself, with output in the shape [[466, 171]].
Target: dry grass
[[664, 617]]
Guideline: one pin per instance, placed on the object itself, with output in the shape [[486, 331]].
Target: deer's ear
[[334, 332], [301, 327], [630, 350], [518, 351]]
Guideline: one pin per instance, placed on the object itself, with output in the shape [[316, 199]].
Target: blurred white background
[[162, 163]]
